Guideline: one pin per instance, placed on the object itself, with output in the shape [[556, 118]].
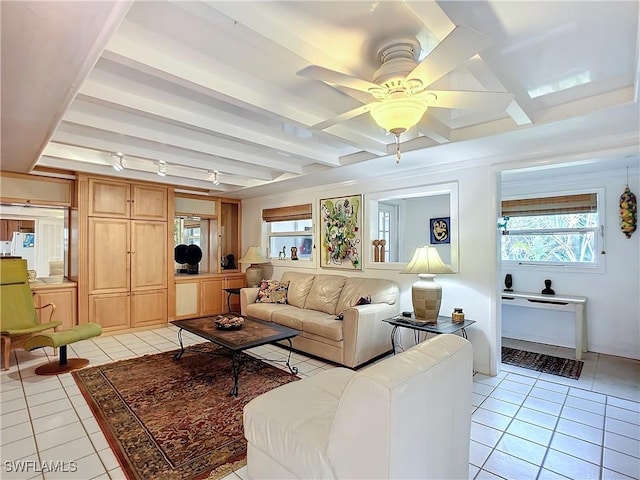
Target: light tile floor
[[524, 424]]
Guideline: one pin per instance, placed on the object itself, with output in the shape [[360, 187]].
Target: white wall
[[614, 305], [473, 288]]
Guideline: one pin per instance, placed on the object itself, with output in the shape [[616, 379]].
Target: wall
[[613, 305], [473, 288]]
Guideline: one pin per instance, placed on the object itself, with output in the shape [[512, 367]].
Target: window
[[289, 227], [388, 229], [560, 230]]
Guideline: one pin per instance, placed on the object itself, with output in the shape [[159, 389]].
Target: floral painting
[[341, 232]]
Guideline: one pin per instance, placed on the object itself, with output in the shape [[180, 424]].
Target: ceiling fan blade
[[336, 78], [455, 49], [343, 116], [471, 100]]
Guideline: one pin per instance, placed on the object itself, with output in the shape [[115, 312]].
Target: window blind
[[581, 203], [281, 214]]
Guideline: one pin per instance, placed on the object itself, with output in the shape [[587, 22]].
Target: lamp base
[[426, 296], [254, 275]]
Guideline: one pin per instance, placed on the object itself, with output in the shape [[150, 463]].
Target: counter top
[[43, 283]]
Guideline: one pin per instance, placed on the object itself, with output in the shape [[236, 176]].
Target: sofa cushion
[[380, 291], [325, 293], [310, 321], [264, 311], [273, 291], [299, 286]]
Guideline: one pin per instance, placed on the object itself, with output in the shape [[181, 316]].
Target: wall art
[[439, 230], [341, 232]]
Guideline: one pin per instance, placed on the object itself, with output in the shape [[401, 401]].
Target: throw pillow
[[273, 291]]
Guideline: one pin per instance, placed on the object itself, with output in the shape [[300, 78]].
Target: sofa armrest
[[247, 297], [365, 334]]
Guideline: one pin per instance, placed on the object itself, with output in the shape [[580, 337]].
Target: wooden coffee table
[[253, 333]]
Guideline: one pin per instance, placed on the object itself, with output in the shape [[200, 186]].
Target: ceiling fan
[[399, 91]]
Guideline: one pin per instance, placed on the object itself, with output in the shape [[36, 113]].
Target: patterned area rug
[[167, 419], [563, 367]]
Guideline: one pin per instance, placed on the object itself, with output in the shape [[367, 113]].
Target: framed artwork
[[439, 230], [341, 232]]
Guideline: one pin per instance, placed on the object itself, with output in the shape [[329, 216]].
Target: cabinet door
[[111, 311], [65, 301], [109, 255], [148, 255], [108, 199], [187, 305], [149, 308], [211, 297], [148, 202]]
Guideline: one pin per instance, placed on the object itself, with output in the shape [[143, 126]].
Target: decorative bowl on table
[[223, 322]]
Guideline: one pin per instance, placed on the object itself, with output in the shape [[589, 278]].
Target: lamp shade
[[426, 293], [399, 114], [253, 255], [426, 260], [254, 271]]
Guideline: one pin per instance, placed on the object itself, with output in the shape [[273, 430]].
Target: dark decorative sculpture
[[508, 282], [547, 288], [294, 253]]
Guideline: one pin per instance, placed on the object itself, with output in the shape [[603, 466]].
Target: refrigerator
[[23, 245]]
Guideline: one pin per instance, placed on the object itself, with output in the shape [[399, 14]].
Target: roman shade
[[281, 214], [564, 204]]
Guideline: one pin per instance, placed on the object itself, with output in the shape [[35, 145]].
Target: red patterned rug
[[167, 419]]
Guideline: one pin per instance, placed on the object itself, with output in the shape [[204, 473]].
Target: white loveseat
[[314, 301], [407, 416]]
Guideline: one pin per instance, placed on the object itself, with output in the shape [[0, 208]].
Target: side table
[[231, 291], [444, 325]]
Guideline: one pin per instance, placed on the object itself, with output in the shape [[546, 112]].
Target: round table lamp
[[254, 271]]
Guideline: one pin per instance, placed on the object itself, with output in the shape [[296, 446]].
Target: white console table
[[554, 302]]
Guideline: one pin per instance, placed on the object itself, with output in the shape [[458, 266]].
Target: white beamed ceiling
[[207, 86]]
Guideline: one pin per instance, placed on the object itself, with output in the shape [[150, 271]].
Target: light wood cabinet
[[123, 200], [127, 254], [64, 298], [203, 295]]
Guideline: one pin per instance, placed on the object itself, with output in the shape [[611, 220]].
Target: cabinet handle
[[133, 252]]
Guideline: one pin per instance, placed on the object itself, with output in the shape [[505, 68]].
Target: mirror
[[38, 234], [409, 218], [196, 231]]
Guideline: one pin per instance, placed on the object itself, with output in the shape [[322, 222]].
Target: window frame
[[598, 234], [289, 213]]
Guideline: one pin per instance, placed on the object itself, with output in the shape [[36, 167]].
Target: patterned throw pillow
[[273, 291]]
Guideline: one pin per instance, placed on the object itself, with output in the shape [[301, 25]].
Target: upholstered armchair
[[18, 315], [408, 416]]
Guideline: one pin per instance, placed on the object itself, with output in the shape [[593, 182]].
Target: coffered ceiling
[[213, 86]]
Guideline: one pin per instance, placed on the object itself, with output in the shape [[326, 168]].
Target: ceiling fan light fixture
[[397, 115]]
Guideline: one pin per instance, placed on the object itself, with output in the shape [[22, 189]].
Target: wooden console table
[[554, 302]]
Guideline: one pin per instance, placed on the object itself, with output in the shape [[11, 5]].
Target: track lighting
[[121, 163], [214, 177], [162, 168]]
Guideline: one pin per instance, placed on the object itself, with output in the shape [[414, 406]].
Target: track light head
[[162, 168], [120, 163]]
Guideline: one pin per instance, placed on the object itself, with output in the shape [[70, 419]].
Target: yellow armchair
[[18, 317]]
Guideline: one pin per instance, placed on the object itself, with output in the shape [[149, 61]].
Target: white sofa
[[314, 301], [407, 416]]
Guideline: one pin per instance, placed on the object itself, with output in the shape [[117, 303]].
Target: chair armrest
[[364, 332], [53, 309], [247, 296]]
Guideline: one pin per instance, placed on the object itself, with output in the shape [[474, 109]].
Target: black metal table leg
[[235, 367], [393, 337], [178, 355], [293, 370], [464, 333], [229, 302]]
